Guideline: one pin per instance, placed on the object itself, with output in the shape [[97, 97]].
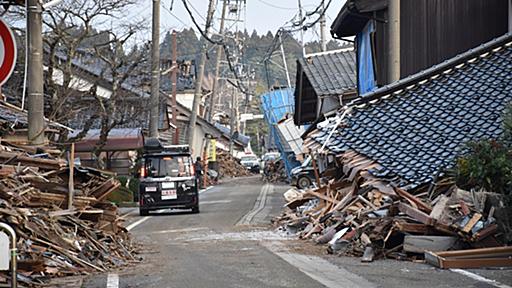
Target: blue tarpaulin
[[276, 105], [365, 69]]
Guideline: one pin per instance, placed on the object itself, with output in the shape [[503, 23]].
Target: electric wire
[[275, 6], [221, 42]]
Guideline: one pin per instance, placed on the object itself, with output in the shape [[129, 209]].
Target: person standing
[[198, 167]]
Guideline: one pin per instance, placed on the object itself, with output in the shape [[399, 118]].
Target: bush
[[488, 164], [124, 193]]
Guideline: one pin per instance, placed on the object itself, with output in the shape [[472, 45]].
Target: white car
[[251, 162]]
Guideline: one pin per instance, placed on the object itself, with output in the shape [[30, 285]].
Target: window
[[248, 158], [172, 166]]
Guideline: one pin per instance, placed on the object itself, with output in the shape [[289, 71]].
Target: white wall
[[79, 84]]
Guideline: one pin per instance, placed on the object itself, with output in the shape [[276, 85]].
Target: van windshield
[[248, 158], [172, 166]]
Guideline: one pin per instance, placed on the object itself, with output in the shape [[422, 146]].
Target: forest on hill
[[254, 50]]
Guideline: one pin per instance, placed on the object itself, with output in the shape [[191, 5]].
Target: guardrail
[[12, 251]]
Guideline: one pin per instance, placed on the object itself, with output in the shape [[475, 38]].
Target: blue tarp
[[365, 69], [276, 105]]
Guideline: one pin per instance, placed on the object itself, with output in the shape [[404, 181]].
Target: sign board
[[247, 117], [212, 152], [7, 52], [4, 251]]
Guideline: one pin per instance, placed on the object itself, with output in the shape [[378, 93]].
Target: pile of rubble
[[230, 166], [55, 241], [364, 216], [274, 171]]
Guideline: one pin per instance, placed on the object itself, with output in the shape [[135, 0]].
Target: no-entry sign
[[7, 52]]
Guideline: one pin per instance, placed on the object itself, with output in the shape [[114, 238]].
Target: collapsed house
[[58, 235], [14, 125], [394, 147]]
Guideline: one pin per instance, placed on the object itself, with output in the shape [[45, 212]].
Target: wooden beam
[[473, 258], [418, 215], [472, 222], [421, 205]]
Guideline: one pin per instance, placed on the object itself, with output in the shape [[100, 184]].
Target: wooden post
[[71, 183], [205, 165], [174, 73], [317, 176]]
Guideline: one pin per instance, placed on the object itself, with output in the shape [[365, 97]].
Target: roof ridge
[[329, 52], [435, 70]]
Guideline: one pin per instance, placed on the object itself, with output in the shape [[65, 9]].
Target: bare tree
[[119, 109], [69, 27], [85, 43]]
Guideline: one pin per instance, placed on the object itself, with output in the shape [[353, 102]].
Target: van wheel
[[195, 209], [143, 212], [303, 182]]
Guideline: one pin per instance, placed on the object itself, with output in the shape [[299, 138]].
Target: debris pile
[[230, 166], [274, 171], [54, 241], [364, 216]]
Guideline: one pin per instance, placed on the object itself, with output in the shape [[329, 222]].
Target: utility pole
[[284, 62], [155, 71], [35, 73], [217, 61], [394, 41], [174, 83], [323, 38], [302, 30], [199, 81], [232, 119]]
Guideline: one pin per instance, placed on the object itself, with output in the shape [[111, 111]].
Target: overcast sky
[[262, 15]]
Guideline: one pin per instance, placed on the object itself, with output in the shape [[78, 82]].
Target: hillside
[[254, 50]]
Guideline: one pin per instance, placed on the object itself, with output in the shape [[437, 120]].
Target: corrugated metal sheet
[[119, 139], [277, 105], [291, 135]]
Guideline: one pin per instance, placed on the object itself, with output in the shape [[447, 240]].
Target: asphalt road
[[231, 244]]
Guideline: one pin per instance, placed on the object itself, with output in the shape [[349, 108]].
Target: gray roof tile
[[331, 73], [417, 127]]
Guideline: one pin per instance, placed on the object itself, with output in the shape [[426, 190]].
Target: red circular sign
[[7, 52]]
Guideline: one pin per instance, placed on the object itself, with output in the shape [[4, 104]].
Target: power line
[[221, 42], [311, 24], [194, 8], [173, 15], [275, 6]]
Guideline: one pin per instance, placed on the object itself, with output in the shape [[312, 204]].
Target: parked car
[[251, 162], [269, 156], [167, 178], [303, 176]]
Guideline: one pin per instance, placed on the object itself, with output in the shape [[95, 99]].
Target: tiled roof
[[415, 128], [19, 118], [226, 131], [331, 73]]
